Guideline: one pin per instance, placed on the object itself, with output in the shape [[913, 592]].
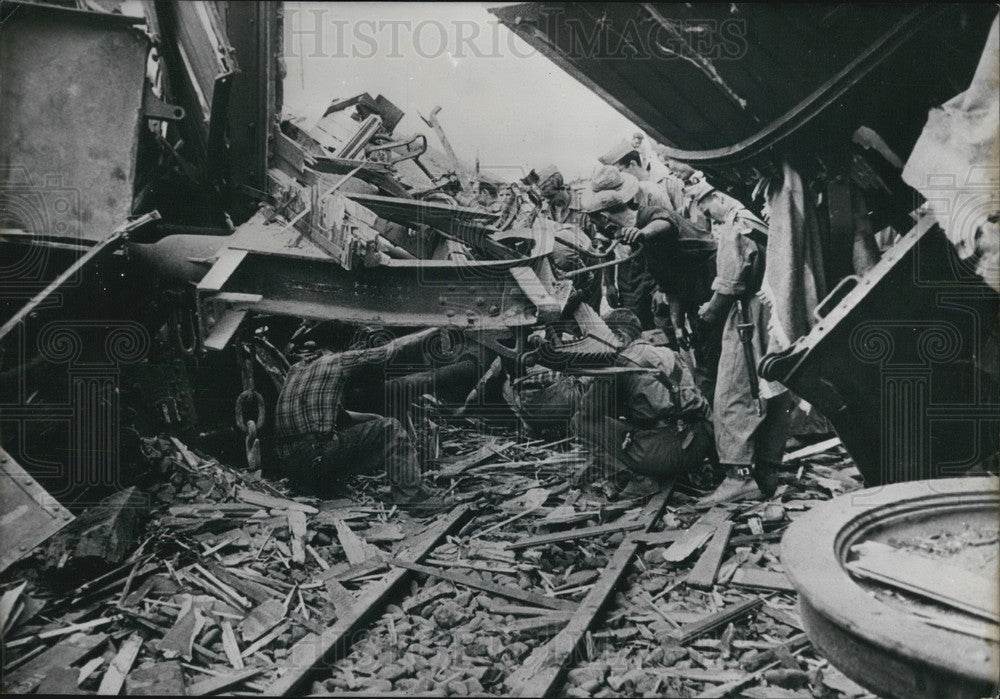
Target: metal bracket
[[155, 108]]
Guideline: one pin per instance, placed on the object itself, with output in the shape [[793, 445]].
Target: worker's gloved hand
[[631, 235]]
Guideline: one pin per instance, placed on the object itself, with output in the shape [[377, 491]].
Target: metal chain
[[249, 400]]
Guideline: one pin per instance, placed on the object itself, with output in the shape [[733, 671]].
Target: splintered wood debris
[[544, 581]]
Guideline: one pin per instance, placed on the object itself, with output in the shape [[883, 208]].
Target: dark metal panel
[[904, 366], [28, 514], [253, 30], [68, 80]]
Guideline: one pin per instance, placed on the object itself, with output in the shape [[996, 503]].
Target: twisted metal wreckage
[[162, 193], [164, 232]]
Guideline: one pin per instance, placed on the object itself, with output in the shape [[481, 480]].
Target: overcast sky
[[499, 97]]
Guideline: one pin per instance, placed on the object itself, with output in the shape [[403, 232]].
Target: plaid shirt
[[312, 396]]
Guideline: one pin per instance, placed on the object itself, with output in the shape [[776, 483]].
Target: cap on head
[[700, 190], [620, 152], [608, 188]]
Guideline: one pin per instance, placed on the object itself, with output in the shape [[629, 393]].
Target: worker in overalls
[[751, 415]]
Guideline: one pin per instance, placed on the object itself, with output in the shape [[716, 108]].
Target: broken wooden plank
[[658, 538], [28, 676], [273, 503], [162, 679], [120, 666], [760, 579], [573, 535], [312, 650], [230, 646], [260, 619], [341, 597], [514, 593], [817, 448], [484, 453], [59, 680], [356, 549], [542, 671], [297, 532], [689, 632], [695, 536], [220, 682], [704, 571]]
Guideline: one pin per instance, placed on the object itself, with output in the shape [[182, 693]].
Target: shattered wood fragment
[[108, 531], [760, 579], [689, 632], [573, 535], [341, 597], [658, 538], [313, 648], [230, 646], [266, 639], [297, 529], [704, 571], [684, 546], [121, 664], [28, 676], [162, 679], [756, 660], [261, 618], [542, 670], [427, 596], [502, 590], [355, 548], [60, 680], [217, 684], [179, 640], [812, 449], [273, 503], [538, 627]]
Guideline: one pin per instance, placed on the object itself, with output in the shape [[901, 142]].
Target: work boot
[[765, 475], [735, 484]]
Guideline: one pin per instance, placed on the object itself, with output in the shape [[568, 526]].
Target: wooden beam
[[704, 571], [514, 593], [689, 632], [542, 672], [335, 640], [574, 534]]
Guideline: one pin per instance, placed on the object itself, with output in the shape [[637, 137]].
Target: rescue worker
[[486, 196], [542, 399], [750, 440], [655, 423], [628, 161], [612, 201], [320, 444]]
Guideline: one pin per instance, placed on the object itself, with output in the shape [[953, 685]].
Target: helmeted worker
[[612, 202]]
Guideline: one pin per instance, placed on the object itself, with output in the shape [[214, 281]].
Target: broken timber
[[704, 571], [574, 534], [500, 590], [542, 671], [313, 649], [688, 633]]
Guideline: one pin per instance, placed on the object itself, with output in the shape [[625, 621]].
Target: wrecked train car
[[165, 233], [901, 356]]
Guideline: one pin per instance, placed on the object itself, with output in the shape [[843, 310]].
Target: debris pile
[[233, 583]]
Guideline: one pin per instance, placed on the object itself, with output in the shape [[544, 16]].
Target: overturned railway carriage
[[160, 223], [165, 238]]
